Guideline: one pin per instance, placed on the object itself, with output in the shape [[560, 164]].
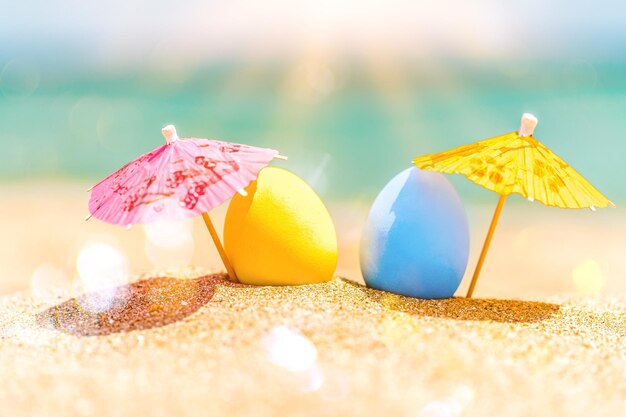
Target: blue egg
[[416, 239]]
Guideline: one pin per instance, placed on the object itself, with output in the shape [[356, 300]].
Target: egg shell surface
[[280, 233], [416, 238]]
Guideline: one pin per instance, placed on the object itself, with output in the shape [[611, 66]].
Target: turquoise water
[[348, 139]]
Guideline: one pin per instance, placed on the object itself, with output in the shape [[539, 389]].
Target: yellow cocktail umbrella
[[516, 162]]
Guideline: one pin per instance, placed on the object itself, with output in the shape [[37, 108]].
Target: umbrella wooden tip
[[527, 127], [169, 133]]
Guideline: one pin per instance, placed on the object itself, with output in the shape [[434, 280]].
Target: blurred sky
[[350, 90], [118, 32]]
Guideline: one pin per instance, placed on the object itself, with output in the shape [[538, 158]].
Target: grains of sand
[[201, 346]]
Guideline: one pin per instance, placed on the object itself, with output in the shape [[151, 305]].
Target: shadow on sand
[[145, 304], [474, 309], [156, 302]]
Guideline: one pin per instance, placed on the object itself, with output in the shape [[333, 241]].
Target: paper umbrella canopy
[[517, 163], [184, 177]]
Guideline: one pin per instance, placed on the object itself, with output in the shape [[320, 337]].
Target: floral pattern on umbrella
[[518, 163], [184, 178]]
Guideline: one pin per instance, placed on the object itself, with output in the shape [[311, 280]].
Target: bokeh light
[[289, 349], [50, 283], [19, 77], [588, 277], [102, 269], [295, 359], [439, 409], [453, 405], [169, 245]]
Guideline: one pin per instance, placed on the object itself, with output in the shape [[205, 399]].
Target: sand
[[202, 346]]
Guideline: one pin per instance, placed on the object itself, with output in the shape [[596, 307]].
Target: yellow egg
[[280, 233]]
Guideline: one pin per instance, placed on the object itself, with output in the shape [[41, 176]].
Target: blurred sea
[[346, 129]]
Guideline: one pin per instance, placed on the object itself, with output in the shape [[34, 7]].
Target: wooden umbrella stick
[[483, 253], [220, 249]]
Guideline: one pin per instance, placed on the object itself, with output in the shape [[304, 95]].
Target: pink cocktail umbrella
[[183, 178]]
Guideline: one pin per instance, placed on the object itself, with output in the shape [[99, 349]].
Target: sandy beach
[[203, 346], [544, 337], [352, 98]]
